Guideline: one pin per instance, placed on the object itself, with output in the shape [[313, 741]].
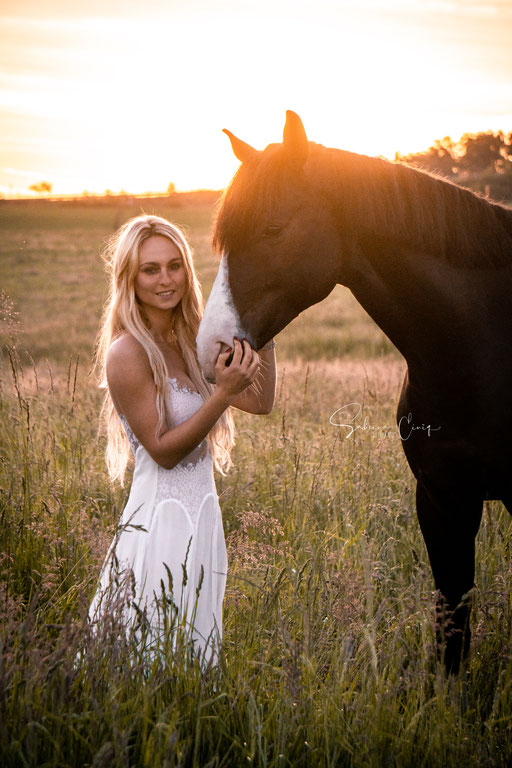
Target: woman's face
[[161, 279]]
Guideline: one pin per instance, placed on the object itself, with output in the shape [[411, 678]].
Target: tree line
[[481, 161]]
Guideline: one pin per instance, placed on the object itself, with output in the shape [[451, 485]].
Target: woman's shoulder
[[126, 354], [125, 346]]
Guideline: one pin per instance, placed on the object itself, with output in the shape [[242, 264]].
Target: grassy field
[[328, 656]]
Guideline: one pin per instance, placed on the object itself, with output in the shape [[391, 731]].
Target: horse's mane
[[371, 196]]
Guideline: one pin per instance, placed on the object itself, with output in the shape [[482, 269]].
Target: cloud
[[23, 173]]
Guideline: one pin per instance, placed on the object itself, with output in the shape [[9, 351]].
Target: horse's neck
[[389, 287], [415, 210], [436, 314]]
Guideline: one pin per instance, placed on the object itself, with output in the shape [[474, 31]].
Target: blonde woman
[[178, 427]]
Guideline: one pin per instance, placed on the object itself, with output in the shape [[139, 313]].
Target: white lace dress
[[172, 518]]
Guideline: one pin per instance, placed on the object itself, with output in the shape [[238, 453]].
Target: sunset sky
[[98, 94]]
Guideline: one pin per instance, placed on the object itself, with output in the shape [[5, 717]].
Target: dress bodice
[[183, 402], [191, 479]]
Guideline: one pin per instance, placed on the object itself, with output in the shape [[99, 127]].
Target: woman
[[178, 426]]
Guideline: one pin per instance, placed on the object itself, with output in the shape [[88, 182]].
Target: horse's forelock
[[249, 199]]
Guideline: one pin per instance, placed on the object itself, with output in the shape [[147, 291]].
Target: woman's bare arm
[[132, 389]]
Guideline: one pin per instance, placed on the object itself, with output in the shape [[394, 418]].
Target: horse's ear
[[295, 141], [242, 150]]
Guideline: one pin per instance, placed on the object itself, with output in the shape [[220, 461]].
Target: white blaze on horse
[[432, 264], [220, 323]]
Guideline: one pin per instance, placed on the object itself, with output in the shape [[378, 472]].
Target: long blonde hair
[[123, 313]]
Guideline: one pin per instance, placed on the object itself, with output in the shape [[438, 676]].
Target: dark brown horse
[[432, 264]]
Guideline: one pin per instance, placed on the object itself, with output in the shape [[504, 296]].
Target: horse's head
[[278, 241]]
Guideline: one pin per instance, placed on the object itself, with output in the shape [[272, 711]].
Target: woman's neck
[[160, 324]]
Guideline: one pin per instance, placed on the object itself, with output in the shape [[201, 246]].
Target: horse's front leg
[[449, 526]]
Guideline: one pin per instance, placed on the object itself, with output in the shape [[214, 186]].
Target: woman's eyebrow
[[157, 263]]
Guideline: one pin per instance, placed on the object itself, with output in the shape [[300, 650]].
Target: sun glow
[[136, 103]]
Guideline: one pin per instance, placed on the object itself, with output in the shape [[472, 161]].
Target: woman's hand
[[242, 370]]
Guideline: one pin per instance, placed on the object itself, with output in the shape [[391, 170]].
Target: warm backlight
[[127, 102]]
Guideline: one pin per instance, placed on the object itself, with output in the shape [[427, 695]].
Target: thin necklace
[[173, 338]]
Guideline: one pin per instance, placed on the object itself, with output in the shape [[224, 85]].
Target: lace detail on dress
[[187, 483], [183, 403], [134, 443], [181, 387], [191, 479]]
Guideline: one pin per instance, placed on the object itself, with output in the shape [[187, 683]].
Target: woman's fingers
[[222, 359], [238, 351], [249, 354], [251, 362]]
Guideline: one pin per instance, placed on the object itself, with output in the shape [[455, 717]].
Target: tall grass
[[328, 654]]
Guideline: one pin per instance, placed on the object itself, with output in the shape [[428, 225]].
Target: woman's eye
[[272, 230]]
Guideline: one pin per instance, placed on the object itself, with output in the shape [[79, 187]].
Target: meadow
[[328, 656]]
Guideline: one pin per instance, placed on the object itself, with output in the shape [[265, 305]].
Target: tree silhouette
[[484, 152], [42, 187], [472, 154]]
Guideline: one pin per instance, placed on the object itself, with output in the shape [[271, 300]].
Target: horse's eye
[[272, 230]]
